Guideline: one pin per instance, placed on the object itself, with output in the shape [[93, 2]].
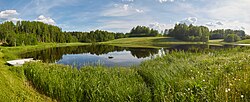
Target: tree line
[[96, 36], [202, 34], [143, 31], [190, 33], [33, 32]]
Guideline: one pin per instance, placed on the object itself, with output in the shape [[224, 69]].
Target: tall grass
[[206, 76], [222, 75], [90, 84]]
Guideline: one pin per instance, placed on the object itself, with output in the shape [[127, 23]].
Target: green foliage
[[96, 36], [178, 76], [221, 33], [90, 84], [232, 38], [198, 77], [30, 33], [143, 31], [190, 33]]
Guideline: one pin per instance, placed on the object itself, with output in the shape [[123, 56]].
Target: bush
[[232, 38]]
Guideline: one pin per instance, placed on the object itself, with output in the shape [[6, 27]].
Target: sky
[[122, 15]]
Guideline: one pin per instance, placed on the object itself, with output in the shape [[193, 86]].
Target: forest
[[202, 34], [190, 33], [143, 31], [31, 33]]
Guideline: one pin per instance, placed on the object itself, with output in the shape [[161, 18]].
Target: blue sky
[[122, 15]]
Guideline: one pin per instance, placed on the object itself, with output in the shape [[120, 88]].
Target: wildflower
[[227, 90], [203, 80], [242, 96]]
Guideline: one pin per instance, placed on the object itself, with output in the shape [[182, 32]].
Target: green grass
[[215, 75], [222, 75], [247, 41], [92, 84], [208, 76], [14, 85], [152, 42]]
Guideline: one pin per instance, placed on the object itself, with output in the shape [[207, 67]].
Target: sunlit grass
[[221, 75], [92, 84], [152, 42]]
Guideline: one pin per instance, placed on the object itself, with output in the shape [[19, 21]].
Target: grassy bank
[[11, 53], [179, 76], [151, 42], [92, 84], [14, 85], [221, 75], [159, 42]]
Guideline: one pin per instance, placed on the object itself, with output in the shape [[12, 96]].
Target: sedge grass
[[214, 75]]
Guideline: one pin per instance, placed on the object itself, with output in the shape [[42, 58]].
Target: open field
[[221, 75], [146, 42], [247, 41], [156, 42]]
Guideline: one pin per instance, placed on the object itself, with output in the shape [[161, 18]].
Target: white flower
[[227, 90], [241, 96]]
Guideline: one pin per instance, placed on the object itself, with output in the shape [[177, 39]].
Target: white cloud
[[127, 0], [125, 7], [121, 10], [9, 15], [160, 27], [14, 19], [139, 11], [44, 19], [235, 25], [189, 20], [162, 1], [234, 13]]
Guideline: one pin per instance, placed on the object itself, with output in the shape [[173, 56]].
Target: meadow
[[178, 76], [210, 75]]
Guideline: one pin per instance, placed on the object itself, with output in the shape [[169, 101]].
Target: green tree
[[232, 38]]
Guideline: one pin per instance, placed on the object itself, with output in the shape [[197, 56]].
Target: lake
[[108, 55]]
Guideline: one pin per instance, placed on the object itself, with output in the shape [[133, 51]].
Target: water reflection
[[108, 55]]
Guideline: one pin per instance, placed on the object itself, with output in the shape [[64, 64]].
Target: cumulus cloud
[[159, 26], [44, 19], [9, 15], [189, 20], [235, 25]]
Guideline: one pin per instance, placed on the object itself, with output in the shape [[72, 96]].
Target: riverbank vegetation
[[178, 76]]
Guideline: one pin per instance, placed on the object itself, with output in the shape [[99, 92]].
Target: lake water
[[108, 55]]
